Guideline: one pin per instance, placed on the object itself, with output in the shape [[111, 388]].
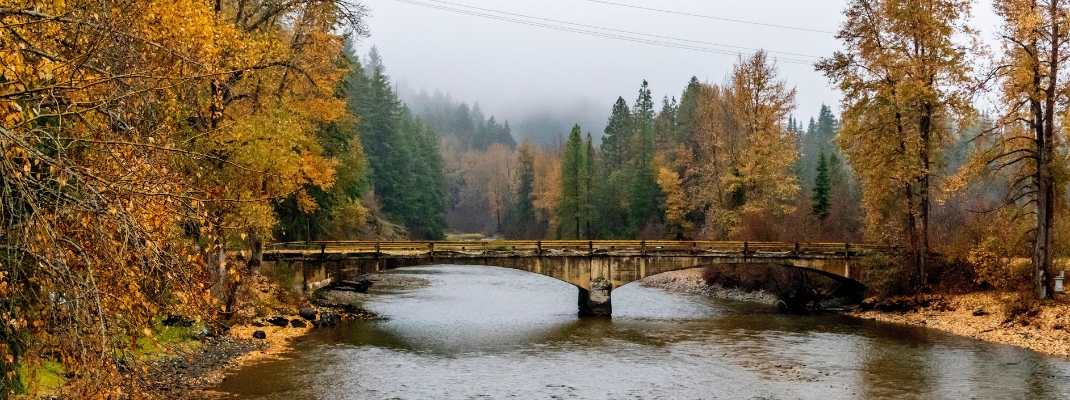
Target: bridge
[[595, 267]]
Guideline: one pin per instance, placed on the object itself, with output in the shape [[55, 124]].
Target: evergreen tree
[[821, 198], [644, 191], [616, 136], [572, 206], [406, 168], [589, 175], [522, 220]]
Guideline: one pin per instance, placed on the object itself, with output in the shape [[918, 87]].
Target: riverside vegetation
[[149, 149]]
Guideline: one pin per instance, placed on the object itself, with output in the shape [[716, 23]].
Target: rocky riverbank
[[993, 317], [691, 281], [189, 374]]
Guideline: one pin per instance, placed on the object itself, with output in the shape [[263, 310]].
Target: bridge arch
[[595, 272]]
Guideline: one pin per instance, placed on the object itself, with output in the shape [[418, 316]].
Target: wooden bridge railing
[[539, 246]]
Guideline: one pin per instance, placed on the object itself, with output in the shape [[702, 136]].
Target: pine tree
[[571, 208], [616, 139], [406, 174], [589, 175], [644, 190], [522, 213], [822, 190]]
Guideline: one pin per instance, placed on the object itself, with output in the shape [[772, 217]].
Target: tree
[[675, 204], [617, 136], [1034, 37], [572, 207], [589, 157], [760, 103], [523, 218], [816, 140], [139, 139], [643, 191], [821, 198], [901, 75], [407, 172]]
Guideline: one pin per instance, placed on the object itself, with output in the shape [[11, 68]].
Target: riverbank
[[189, 375], [692, 281], [993, 317]]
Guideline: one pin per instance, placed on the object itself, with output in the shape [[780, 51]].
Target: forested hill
[[467, 125]]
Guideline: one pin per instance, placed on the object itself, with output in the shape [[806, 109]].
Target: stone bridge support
[[596, 300]]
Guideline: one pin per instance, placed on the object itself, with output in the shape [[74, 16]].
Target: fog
[[544, 80]]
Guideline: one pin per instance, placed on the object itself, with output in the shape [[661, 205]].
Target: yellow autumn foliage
[[135, 136]]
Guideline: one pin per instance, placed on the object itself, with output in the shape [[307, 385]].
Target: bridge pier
[[596, 301]]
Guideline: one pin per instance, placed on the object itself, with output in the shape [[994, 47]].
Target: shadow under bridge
[[595, 267]]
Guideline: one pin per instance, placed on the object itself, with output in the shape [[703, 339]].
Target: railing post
[[538, 248], [847, 251], [377, 249], [323, 249], [796, 249], [431, 249], [642, 247], [590, 247], [745, 246]]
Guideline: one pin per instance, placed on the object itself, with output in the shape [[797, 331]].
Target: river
[[493, 333]]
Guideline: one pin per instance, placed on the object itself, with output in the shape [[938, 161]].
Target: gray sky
[[513, 70]]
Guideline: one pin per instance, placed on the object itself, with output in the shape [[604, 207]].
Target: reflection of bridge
[[595, 267]]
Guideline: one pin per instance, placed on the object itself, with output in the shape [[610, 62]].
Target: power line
[[711, 17], [617, 30], [593, 33]]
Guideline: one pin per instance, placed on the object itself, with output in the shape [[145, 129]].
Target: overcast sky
[[513, 69]]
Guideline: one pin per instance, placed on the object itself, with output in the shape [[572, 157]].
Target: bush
[[888, 274]]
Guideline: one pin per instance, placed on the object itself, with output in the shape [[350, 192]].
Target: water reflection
[[484, 332]]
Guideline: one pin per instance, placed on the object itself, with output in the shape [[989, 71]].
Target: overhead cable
[[598, 34], [711, 17], [617, 30]]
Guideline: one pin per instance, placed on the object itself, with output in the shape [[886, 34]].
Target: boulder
[[308, 313], [328, 318], [259, 335], [279, 321], [298, 323]]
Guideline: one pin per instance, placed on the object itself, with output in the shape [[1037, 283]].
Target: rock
[[298, 323], [308, 313], [177, 320], [980, 312], [328, 318], [259, 335], [360, 286], [279, 321]]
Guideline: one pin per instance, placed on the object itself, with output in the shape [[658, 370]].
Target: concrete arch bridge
[[594, 267]]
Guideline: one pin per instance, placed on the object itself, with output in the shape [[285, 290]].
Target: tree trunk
[[912, 230], [923, 192], [1042, 267]]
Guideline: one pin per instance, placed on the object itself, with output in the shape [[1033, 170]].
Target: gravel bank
[[690, 281], [985, 316]]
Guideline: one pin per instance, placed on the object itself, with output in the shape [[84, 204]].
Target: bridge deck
[[522, 248]]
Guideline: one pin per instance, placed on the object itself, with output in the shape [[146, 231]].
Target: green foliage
[[406, 166], [450, 118], [573, 209], [615, 139], [821, 200]]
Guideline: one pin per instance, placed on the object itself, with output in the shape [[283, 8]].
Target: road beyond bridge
[[595, 267]]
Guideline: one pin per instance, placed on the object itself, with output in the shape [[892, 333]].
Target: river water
[[493, 333]]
